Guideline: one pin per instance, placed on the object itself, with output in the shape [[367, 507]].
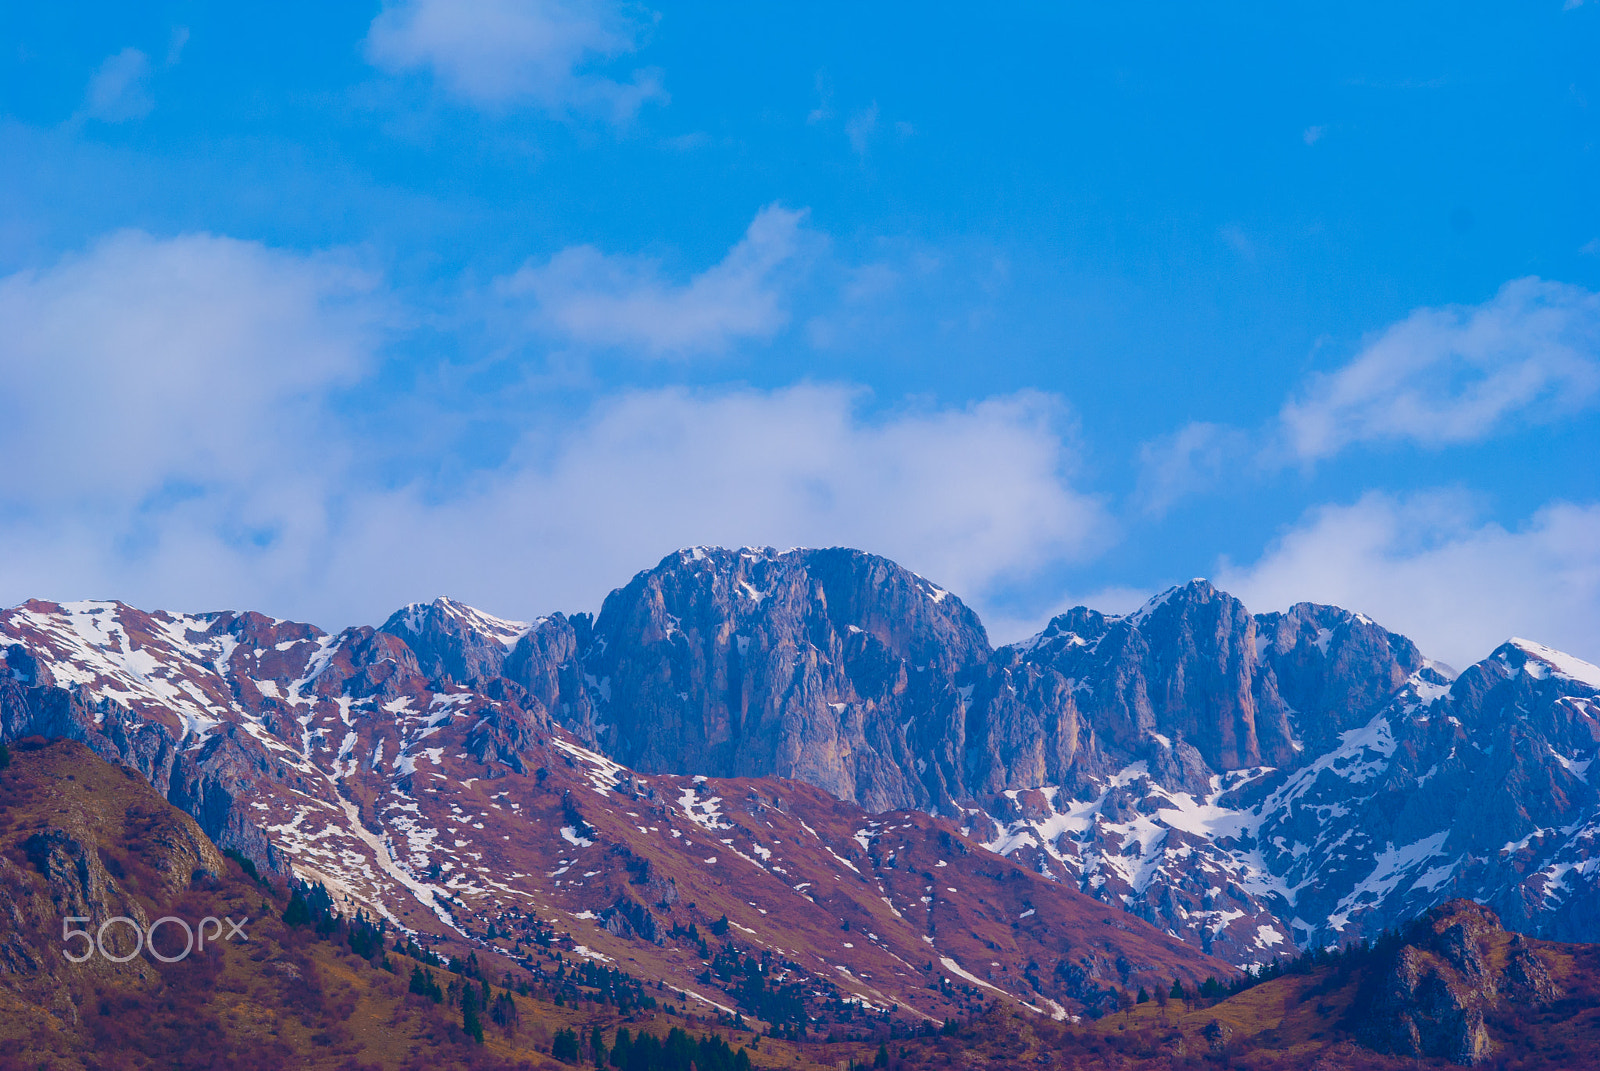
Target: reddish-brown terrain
[[81, 837]]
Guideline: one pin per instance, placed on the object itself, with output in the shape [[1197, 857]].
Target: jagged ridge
[[1249, 783]]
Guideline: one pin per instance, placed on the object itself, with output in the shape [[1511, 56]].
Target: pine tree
[[564, 1046], [298, 913], [471, 1014], [622, 1049], [423, 985]]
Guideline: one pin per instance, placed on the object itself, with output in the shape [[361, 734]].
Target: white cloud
[[502, 53], [597, 299], [1312, 134], [969, 497], [173, 442], [1428, 567], [147, 362], [165, 415], [973, 498], [1457, 374], [119, 90]]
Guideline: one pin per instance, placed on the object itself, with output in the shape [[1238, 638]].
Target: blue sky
[[320, 311]]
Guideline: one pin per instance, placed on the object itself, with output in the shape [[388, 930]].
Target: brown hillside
[[81, 837], [1454, 990], [871, 914]]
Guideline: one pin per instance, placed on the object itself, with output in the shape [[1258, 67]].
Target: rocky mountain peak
[[454, 641], [1539, 662], [1078, 627], [1332, 668], [1178, 599], [1183, 666], [811, 664]]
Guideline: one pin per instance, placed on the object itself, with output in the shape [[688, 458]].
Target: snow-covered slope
[[1481, 785]]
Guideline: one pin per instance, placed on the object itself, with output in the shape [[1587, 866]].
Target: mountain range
[[820, 753]]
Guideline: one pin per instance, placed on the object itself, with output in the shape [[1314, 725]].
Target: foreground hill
[[85, 840], [1454, 989], [295, 985], [1249, 784]]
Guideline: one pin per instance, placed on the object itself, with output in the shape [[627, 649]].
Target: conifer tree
[[471, 1014]]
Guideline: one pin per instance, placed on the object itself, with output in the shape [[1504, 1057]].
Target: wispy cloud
[[861, 128], [1193, 459], [176, 43], [1457, 374], [511, 53], [824, 109], [1442, 376], [119, 89], [598, 299]]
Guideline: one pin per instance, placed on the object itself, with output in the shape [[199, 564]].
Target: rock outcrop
[[1433, 998], [825, 666]]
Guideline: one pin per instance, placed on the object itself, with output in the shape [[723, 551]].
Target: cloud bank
[[1427, 566], [175, 399]]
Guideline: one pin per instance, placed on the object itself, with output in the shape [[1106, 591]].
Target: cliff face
[[1456, 968], [1183, 667], [815, 665], [1334, 669]]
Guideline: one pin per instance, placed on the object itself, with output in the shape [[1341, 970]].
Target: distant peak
[[1559, 662], [1198, 589], [412, 618]]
